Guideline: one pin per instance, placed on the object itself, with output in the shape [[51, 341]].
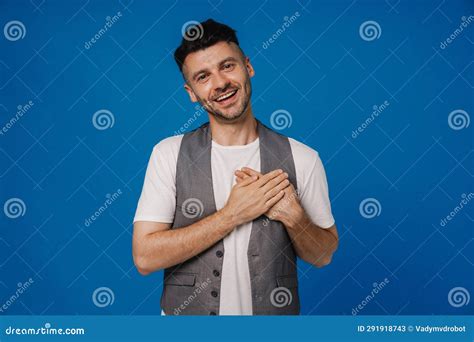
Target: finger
[[269, 176], [247, 181], [241, 174], [276, 189], [274, 200], [251, 172], [274, 182]]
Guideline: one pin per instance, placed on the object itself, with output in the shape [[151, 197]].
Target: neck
[[241, 132]]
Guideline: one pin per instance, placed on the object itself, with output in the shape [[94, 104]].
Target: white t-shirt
[[157, 203]]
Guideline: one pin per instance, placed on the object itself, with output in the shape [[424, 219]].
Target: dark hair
[[199, 36]]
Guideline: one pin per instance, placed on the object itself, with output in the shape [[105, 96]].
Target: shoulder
[[305, 157], [308, 165], [168, 146]]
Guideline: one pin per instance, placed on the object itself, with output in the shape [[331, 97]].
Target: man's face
[[218, 77]]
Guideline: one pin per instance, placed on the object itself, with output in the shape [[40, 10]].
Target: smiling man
[[226, 209]]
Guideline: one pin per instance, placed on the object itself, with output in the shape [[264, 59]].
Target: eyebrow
[[225, 60]]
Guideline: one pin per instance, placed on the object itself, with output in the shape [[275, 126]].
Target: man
[[226, 209]]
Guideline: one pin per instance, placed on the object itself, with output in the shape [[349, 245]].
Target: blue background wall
[[409, 158]]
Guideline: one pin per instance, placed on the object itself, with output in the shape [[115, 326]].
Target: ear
[[190, 92], [249, 67]]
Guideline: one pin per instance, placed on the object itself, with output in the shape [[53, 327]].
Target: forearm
[[312, 244], [170, 247]]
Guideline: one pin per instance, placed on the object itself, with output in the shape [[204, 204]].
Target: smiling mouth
[[227, 96]]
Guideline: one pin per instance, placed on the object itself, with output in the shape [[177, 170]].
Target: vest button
[[212, 313], [214, 293], [216, 273], [220, 254]]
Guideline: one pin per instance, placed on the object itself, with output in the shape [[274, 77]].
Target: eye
[[228, 66], [201, 77]]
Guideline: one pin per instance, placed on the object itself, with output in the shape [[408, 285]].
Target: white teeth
[[225, 96]]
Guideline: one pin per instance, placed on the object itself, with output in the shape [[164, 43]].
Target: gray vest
[[193, 287]]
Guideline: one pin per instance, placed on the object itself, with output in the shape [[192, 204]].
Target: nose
[[220, 83]]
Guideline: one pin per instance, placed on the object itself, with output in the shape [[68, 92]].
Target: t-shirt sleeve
[[314, 194], [158, 198]]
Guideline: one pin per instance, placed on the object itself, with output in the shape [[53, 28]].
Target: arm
[[312, 244], [156, 246]]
